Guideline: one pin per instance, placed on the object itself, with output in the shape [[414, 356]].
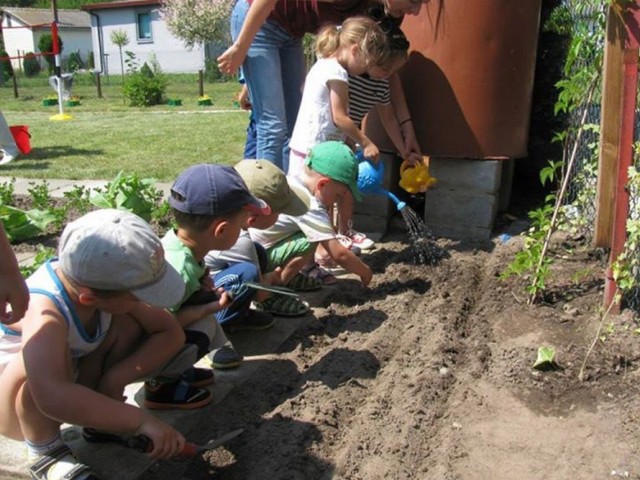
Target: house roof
[[33, 17], [119, 4]]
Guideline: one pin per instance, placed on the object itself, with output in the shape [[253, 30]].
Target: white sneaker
[[347, 243], [6, 158], [360, 240]]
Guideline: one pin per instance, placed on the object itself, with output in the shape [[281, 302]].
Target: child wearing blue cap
[[210, 204], [330, 173]]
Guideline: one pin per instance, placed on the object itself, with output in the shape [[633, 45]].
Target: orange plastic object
[[415, 178]]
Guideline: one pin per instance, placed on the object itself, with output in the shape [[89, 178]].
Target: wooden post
[[15, 85], [609, 127], [625, 75], [98, 84], [201, 83]]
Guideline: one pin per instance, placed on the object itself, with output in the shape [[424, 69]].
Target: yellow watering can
[[416, 178]]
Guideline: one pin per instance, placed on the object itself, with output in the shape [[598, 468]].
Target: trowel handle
[[142, 443]]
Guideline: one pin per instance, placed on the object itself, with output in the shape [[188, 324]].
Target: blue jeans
[[250, 147], [274, 71], [232, 279]]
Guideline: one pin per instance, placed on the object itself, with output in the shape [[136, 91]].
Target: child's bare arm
[[348, 260], [339, 110], [52, 387]]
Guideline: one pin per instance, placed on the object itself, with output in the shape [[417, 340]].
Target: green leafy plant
[[5, 65], [78, 199], [545, 359], [45, 45], [31, 65], [7, 196], [143, 86], [24, 224], [626, 267], [40, 195], [75, 62], [583, 21], [128, 192], [43, 254]]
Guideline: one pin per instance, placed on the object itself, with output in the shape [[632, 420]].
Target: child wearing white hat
[[78, 345]]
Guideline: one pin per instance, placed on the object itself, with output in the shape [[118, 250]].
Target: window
[[143, 23]]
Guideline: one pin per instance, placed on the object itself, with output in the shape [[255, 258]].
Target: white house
[[148, 37], [22, 29]]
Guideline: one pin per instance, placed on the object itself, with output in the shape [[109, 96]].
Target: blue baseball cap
[[208, 189]]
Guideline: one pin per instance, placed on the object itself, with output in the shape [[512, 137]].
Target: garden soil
[[428, 374]]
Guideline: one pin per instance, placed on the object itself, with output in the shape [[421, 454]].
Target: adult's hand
[[231, 59], [13, 289]]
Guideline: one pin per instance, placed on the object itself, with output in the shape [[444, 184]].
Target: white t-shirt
[[314, 123]]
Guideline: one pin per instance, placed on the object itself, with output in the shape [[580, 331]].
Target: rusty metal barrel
[[470, 75]]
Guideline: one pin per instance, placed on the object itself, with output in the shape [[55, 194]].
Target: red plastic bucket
[[22, 137]]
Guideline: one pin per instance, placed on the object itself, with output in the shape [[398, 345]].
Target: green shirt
[[181, 258]]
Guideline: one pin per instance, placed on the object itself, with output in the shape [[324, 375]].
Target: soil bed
[[428, 374]]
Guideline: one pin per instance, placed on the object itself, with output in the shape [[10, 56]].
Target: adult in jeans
[[267, 37]]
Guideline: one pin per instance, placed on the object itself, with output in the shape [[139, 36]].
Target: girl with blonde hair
[[349, 49]]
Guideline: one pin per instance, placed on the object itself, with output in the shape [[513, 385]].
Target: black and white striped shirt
[[364, 93]]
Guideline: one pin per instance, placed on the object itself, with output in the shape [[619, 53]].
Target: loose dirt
[[428, 374]]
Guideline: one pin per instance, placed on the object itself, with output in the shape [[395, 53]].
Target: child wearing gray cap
[[95, 323]]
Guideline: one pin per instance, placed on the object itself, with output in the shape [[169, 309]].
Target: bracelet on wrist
[[407, 120]]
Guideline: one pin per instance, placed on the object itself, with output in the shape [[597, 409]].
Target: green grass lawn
[[106, 136]]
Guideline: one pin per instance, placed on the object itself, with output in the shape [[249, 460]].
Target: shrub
[[144, 88], [45, 45], [5, 65], [91, 64], [31, 65], [75, 62]]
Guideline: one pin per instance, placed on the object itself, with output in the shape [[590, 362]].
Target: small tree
[[45, 45], [198, 21], [121, 39]]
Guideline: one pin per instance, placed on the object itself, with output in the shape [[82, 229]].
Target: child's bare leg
[[294, 266], [345, 213], [124, 336], [17, 408], [35, 426]]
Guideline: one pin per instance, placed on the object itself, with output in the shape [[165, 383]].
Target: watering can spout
[[370, 182]]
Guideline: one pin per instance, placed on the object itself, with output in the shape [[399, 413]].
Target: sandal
[[319, 273], [42, 468], [302, 283], [284, 306]]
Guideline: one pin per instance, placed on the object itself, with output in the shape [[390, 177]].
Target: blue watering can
[[370, 180]]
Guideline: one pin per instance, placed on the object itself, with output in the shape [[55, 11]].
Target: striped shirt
[[364, 93]]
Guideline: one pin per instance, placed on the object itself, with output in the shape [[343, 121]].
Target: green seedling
[[6, 192], [545, 359]]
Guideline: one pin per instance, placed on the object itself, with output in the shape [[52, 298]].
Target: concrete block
[[374, 226], [462, 174], [460, 231], [372, 213], [459, 207]]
